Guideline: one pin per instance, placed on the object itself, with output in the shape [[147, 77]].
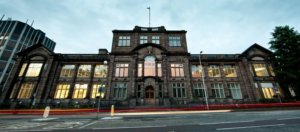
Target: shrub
[[64, 106], [4, 106], [264, 100], [24, 106], [84, 106]]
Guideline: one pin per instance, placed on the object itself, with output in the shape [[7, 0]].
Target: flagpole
[[149, 15]]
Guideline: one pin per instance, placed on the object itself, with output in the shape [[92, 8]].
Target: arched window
[[149, 66]]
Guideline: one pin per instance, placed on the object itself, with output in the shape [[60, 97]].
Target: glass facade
[[213, 71], [34, 69], [99, 71], [67, 71], [62, 91], [80, 91], [229, 71], [197, 71], [26, 90], [84, 71]]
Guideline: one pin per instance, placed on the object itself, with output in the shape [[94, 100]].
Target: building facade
[[16, 36], [146, 66]]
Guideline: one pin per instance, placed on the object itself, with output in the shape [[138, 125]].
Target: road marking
[[129, 127], [289, 118], [224, 122], [88, 124], [249, 127]]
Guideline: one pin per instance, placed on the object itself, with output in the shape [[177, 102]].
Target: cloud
[[214, 26]]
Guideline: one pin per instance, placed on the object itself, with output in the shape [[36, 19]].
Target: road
[[187, 121]]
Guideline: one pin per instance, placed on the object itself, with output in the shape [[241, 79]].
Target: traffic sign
[[275, 88], [101, 89], [46, 112]]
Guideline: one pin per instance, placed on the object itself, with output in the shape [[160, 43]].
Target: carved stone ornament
[[149, 48]]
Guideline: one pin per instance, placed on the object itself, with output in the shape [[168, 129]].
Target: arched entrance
[[149, 96]]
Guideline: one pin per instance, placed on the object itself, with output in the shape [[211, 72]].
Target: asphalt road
[[273, 121]]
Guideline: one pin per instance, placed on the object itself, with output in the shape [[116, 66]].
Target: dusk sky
[[213, 26]]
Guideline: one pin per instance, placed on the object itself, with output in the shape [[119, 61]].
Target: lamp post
[[100, 88], [203, 81]]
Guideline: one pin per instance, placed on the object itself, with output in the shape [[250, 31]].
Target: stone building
[[146, 66]]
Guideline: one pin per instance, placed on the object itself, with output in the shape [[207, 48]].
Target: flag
[[148, 8]]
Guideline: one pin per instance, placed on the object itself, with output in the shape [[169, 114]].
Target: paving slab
[[43, 119]]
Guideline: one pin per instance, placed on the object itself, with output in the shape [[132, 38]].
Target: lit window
[[159, 70], [140, 70], [138, 91], [13, 91], [124, 41], [95, 93], [26, 90], [213, 71], [155, 39], [160, 91], [121, 70], [149, 66], [260, 70], [229, 71], [84, 71], [67, 71], [178, 90], [99, 70], [268, 92], [177, 70], [62, 91], [271, 70], [174, 41], [199, 90], [80, 91], [34, 69], [120, 90], [143, 39], [197, 71], [22, 69], [235, 91], [217, 90]]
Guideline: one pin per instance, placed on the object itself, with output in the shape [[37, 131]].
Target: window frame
[[264, 71], [155, 39], [82, 68], [95, 92], [36, 71], [177, 68], [84, 90], [143, 39], [226, 69], [99, 69], [174, 41], [150, 66], [218, 90], [176, 89], [199, 87], [28, 93], [121, 67], [196, 69], [60, 87], [237, 89], [215, 69], [124, 41], [68, 69], [117, 89]]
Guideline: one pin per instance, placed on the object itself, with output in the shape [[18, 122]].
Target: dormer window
[[143, 39], [144, 29], [154, 29]]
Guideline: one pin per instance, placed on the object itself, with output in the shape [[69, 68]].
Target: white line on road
[[289, 118], [249, 127], [88, 124], [130, 127], [224, 122]]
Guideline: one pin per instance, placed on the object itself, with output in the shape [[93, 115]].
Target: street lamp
[[100, 88], [203, 80]]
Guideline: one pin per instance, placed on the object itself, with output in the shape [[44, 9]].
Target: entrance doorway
[[149, 96]]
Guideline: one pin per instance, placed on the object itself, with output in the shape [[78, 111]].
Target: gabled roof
[[33, 47], [256, 46]]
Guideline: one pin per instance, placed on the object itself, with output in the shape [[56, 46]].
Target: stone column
[[72, 85], [90, 84]]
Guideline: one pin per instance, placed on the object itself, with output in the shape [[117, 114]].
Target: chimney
[[103, 51]]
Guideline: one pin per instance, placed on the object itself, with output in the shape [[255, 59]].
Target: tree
[[286, 57]]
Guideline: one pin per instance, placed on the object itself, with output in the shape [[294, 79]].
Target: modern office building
[[146, 66], [16, 36]]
